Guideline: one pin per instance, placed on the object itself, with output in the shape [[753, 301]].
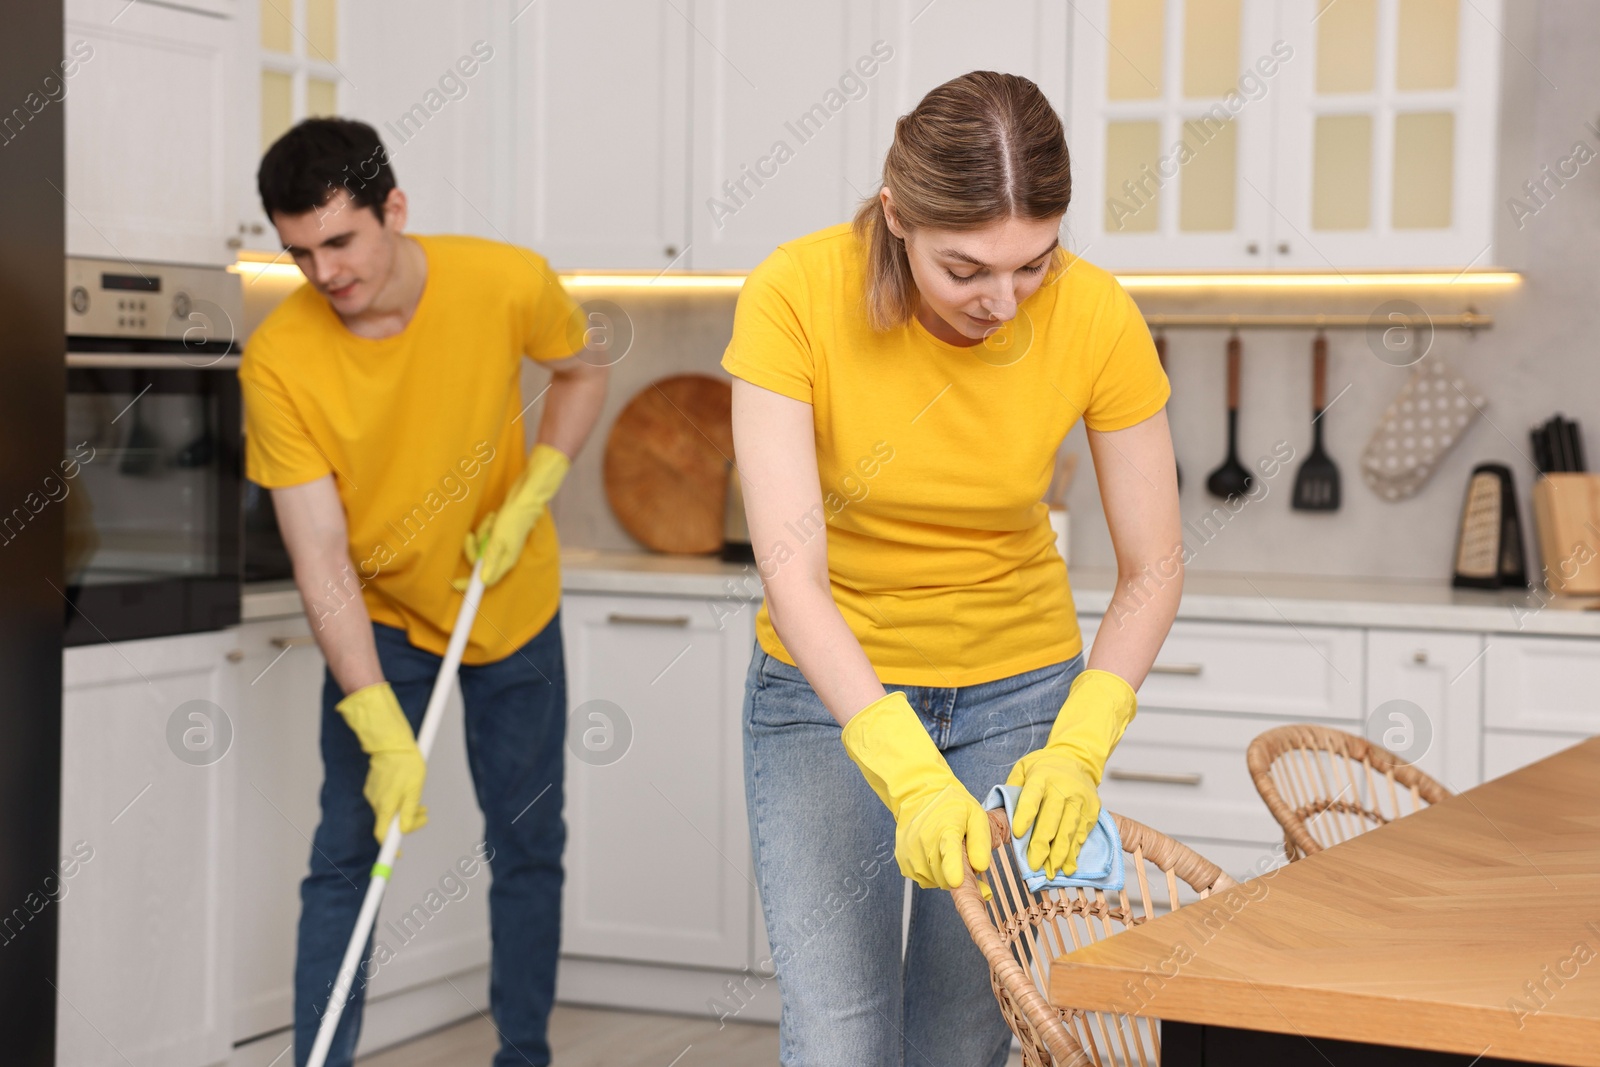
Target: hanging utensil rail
[[1467, 320]]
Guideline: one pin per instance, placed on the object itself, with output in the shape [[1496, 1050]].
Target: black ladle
[[1231, 479]]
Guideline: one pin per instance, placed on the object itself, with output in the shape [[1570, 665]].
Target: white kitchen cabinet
[[655, 781], [599, 109], [794, 107], [149, 172], [1505, 751], [1172, 130], [1542, 684], [1424, 701], [1388, 129], [147, 786], [936, 42], [278, 681], [1184, 774], [279, 769], [1286, 134], [1285, 672], [780, 117], [1298, 672]]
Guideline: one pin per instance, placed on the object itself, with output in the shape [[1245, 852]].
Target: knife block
[[1566, 514]]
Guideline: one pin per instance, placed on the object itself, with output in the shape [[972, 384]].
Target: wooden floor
[[590, 1037]]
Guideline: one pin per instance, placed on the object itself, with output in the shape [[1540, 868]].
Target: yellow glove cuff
[[374, 714], [1098, 709], [892, 748], [547, 467]]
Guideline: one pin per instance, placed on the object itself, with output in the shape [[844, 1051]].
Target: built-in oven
[[151, 478]]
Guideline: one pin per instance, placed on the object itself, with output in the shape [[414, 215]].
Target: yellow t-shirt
[[421, 432], [934, 459]]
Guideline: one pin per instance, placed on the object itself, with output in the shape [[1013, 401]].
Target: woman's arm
[[775, 441], [1139, 491]]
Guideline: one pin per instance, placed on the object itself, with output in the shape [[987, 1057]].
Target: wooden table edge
[[1330, 1015]]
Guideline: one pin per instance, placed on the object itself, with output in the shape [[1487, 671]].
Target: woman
[[905, 384]]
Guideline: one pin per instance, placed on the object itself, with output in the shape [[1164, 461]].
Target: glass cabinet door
[[1171, 129], [1387, 135]]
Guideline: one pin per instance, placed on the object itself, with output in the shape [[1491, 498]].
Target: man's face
[[343, 250]]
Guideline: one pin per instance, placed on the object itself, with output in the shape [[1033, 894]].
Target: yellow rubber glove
[[501, 534], [1060, 782], [396, 771], [935, 816]]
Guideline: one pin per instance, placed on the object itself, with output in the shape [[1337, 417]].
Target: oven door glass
[[152, 512]]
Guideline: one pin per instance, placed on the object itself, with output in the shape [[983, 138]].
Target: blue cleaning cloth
[[1099, 860]]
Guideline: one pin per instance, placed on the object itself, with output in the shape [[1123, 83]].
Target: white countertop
[[1226, 597]]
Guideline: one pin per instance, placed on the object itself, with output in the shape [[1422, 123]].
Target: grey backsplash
[[685, 332], [1538, 358]]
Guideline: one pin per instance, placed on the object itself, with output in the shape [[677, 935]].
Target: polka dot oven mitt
[[1422, 424]]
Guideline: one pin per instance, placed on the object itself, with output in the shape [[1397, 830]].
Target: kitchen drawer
[[1242, 859], [1505, 751], [1285, 672], [1542, 683], [1185, 775]]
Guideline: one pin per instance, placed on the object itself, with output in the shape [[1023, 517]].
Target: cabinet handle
[[1176, 668], [1192, 778], [1420, 656], [1283, 248], [647, 620], [1253, 248], [234, 655], [297, 641]]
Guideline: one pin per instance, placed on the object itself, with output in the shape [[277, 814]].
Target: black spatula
[[1231, 479], [1316, 485]]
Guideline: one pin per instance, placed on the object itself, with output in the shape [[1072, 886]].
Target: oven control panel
[[124, 298]]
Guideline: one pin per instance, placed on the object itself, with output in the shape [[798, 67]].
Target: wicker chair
[[1021, 933], [1326, 786]]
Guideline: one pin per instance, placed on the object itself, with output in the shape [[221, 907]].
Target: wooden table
[[1471, 928]]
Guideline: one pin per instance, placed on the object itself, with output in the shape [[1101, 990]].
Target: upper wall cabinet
[[1388, 132], [794, 107], [149, 94], [1290, 134], [780, 111], [1172, 132], [289, 69], [600, 122], [934, 42]]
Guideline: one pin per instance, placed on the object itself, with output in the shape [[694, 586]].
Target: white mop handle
[[391, 840]]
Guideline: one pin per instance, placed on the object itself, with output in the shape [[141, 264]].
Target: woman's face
[[971, 281]]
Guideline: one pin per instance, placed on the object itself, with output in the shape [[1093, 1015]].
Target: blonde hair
[[977, 149]]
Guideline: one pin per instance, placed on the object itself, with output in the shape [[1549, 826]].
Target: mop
[[391, 840]]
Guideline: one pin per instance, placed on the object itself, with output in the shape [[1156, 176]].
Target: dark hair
[[307, 166], [979, 148]]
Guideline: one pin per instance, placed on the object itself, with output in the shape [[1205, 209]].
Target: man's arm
[[311, 519], [572, 404]]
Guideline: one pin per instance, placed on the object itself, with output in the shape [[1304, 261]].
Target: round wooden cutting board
[[666, 471]]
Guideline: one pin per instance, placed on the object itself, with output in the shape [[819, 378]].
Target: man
[[384, 411]]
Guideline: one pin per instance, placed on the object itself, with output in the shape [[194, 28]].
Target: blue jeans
[[832, 893], [516, 720]]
